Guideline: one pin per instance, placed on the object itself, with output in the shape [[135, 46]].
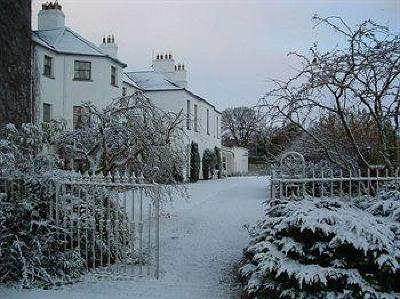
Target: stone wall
[[15, 61]]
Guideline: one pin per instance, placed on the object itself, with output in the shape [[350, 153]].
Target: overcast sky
[[230, 48]]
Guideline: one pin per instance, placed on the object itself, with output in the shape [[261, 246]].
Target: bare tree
[[240, 124], [361, 77], [131, 134]]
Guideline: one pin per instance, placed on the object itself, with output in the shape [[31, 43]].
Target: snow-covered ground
[[201, 241]]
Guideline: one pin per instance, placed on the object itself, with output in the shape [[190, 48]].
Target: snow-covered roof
[[129, 81], [155, 81], [151, 80], [66, 41]]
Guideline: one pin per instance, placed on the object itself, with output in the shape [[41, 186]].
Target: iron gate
[[112, 221]]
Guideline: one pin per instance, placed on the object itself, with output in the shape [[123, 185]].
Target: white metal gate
[[112, 221]]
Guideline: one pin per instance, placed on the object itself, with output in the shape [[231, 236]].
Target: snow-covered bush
[[387, 204], [194, 162], [32, 247], [28, 149], [322, 248], [34, 250]]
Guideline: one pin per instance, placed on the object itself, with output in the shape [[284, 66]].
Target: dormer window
[[82, 70], [48, 66]]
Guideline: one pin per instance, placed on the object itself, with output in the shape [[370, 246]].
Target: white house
[[69, 70], [167, 87]]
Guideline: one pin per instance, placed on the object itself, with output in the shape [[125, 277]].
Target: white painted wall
[[63, 92], [176, 101], [130, 90]]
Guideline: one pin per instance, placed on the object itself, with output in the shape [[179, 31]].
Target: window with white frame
[[48, 69], [113, 75], [82, 70], [214, 126], [188, 126], [196, 117], [217, 127]]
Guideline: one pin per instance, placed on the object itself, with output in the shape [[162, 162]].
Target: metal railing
[[292, 179]]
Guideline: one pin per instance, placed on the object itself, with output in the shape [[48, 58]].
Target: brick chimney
[[51, 16]]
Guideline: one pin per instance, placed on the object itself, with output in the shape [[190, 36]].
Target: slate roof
[[155, 81], [128, 80], [151, 81], [66, 41]]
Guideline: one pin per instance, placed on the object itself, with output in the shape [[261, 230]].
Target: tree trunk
[[15, 61]]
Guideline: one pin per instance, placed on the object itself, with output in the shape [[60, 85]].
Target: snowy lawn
[[201, 240]]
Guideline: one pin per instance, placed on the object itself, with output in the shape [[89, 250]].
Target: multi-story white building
[[69, 70], [166, 86]]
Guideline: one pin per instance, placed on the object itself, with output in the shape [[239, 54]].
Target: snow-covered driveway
[[201, 239]]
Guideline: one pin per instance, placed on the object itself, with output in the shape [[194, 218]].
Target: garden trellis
[[112, 221], [292, 179]]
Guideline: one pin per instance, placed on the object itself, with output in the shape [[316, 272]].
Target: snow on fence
[[112, 221], [293, 179]]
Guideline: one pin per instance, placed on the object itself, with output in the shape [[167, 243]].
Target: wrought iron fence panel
[[291, 179]]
